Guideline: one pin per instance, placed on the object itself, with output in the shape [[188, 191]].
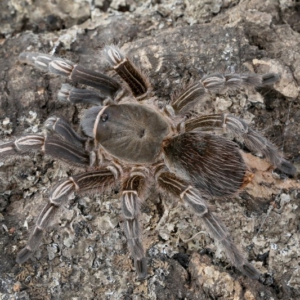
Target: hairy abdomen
[[211, 163]]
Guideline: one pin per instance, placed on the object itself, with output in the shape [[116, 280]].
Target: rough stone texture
[[85, 255]]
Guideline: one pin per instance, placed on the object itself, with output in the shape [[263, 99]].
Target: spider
[[130, 138]]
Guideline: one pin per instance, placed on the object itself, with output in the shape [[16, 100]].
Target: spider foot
[[248, 270], [141, 268], [287, 168]]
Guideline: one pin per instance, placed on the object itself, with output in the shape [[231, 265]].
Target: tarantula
[[132, 139]]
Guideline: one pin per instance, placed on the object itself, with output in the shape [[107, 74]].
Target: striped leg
[[68, 93], [98, 180], [215, 83], [62, 128], [137, 82], [52, 145], [131, 202], [78, 74], [192, 198], [239, 128]]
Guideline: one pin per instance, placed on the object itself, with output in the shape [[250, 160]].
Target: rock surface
[[84, 255]]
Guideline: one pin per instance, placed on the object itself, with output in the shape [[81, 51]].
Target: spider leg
[[62, 127], [78, 74], [254, 141], [137, 82], [68, 93], [215, 83], [50, 145], [84, 182], [131, 211], [192, 198], [22, 145]]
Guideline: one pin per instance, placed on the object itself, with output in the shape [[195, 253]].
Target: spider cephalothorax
[[130, 139]]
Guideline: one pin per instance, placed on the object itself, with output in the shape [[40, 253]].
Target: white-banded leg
[[61, 127], [90, 181], [24, 144], [137, 82], [50, 145], [254, 141], [68, 93], [131, 202], [215, 83], [78, 74], [192, 198]]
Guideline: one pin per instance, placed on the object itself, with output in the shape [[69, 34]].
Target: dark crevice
[[105, 5], [182, 258]]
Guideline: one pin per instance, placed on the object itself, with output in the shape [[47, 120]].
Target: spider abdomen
[[212, 163], [131, 132]]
